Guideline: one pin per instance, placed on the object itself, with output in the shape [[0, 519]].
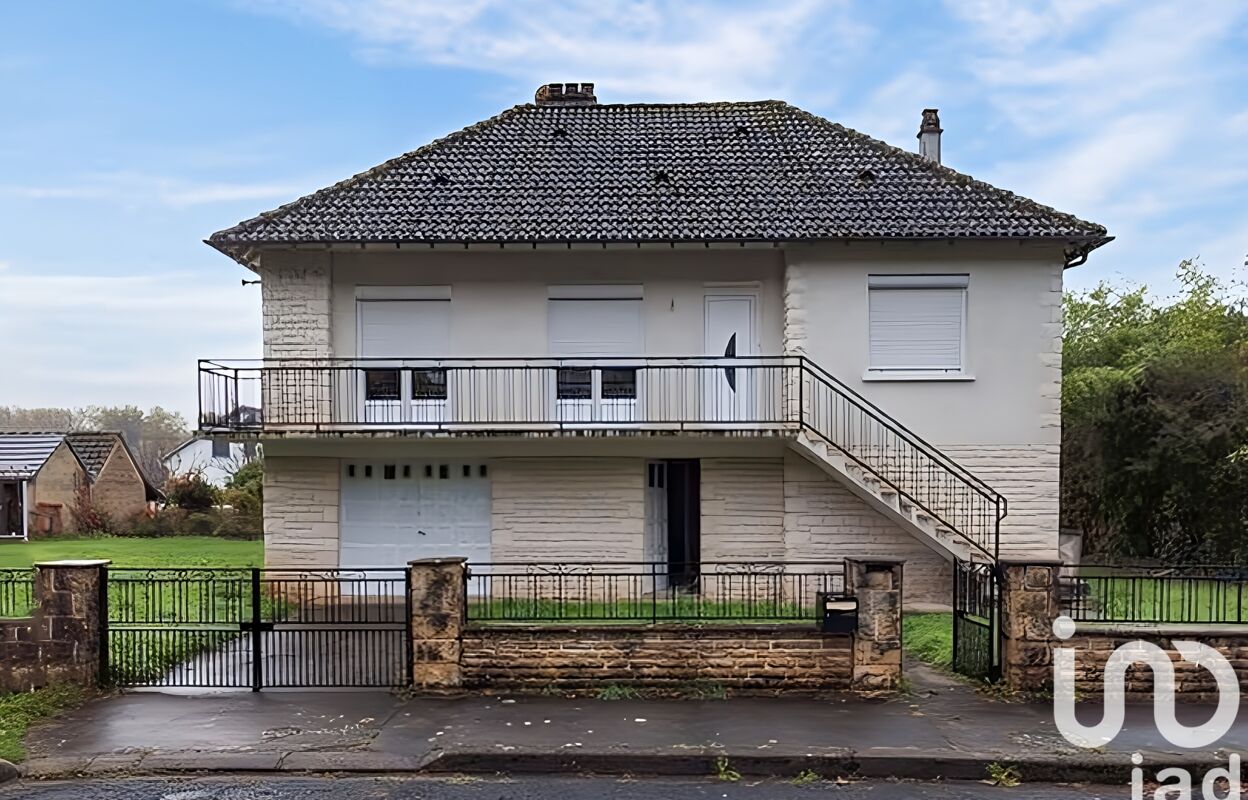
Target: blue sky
[[132, 130]]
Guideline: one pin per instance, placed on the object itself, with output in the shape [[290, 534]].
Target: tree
[[149, 434], [1155, 405]]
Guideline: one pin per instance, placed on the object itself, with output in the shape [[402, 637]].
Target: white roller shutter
[[595, 327], [917, 323]]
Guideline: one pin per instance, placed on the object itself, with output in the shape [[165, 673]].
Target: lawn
[[929, 638], [1112, 596], [19, 711], [173, 551]]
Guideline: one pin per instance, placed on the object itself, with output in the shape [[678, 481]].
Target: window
[[619, 384], [575, 384], [220, 448], [918, 323], [428, 384], [381, 384]]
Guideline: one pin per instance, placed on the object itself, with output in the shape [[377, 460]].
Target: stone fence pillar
[[439, 609], [66, 646], [1029, 604], [877, 643]]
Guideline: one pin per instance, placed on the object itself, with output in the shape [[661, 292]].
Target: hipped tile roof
[[705, 172]]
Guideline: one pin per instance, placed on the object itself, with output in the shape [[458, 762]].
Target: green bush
[[191, 492]]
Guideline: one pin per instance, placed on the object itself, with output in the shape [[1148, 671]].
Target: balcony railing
[[616, 394], [503, 394]]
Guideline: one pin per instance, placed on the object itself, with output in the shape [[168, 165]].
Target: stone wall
[[1028, 476], [747, 659], [301, 507], [743, 509], [567, 509], [296, 305], [1094, 645], [60, 642], [118, 489], [448, 653], [54, 493]]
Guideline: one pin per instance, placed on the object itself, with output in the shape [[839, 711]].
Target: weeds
[[1003, 775], [805, 778], [618, 691], [724, 772]]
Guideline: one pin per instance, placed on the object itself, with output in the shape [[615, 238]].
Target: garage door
[[397, 511]]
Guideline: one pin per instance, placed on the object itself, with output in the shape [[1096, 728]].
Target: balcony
[[497, 395]]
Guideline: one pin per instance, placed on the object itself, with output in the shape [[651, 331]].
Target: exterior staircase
[[905, 479]]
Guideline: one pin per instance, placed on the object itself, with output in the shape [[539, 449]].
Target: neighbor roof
[[92, 449], [22, 454], [705, 172]]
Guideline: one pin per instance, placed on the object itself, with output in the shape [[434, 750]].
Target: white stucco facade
[[560, 499]]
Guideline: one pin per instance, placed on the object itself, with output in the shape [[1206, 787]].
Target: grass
[[929, 638], [19, 711], [172, 551], [691, 609], [1174, 598]]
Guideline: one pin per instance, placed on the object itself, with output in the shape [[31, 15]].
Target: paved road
[[527, 788]]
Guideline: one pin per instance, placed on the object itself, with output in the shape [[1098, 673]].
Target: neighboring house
[[47, 478], [215, 459], [652, 332]]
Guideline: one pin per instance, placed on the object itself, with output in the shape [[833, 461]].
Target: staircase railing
[[920, 474]]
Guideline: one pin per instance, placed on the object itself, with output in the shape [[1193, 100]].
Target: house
[[49, 480], [666, 333], [215, 459]]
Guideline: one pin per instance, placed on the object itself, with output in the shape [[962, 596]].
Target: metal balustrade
[[486, 396]]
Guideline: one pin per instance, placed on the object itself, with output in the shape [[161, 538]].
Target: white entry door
[[404, 329], [655, 544], [729, 391], [394, 512]]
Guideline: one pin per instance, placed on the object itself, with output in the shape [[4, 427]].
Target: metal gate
[[976, 620], [257, 628]]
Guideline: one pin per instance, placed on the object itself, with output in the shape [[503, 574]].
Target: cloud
[[104, 339], [136, 189], [647, 49]]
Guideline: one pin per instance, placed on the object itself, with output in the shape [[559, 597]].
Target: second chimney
[[567, 94], [929, 135]]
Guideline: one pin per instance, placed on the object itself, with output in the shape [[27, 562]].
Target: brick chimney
[[565, 94], [929, 135]]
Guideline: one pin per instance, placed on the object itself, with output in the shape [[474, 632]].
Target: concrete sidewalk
[[947, 731]]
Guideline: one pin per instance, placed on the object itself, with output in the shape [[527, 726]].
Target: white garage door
[[397, 511]]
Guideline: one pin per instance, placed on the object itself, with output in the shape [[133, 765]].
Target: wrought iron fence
[[255, 628], [1203, 594], [17, 592], [651, 592]]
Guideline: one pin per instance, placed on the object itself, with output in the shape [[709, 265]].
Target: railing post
[[257, 645]]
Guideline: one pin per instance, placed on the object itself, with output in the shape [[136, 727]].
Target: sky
[[130, 131]]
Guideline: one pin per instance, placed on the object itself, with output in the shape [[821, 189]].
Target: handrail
[[511, 391], [889, 420]]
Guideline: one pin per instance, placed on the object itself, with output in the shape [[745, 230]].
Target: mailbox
[[837, 614]]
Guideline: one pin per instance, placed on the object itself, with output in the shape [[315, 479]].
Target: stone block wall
[[448, 653], [742, 509], [301, 508], [745, 659], [1094, 645], [567, 509], [60, 643]]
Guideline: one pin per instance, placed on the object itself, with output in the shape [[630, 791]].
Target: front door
[[404, 329], [728, 391]]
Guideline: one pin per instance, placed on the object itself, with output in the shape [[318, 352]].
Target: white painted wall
[[197, 457], [499, 299]]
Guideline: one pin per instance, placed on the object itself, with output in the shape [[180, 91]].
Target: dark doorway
[[684, 520]]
